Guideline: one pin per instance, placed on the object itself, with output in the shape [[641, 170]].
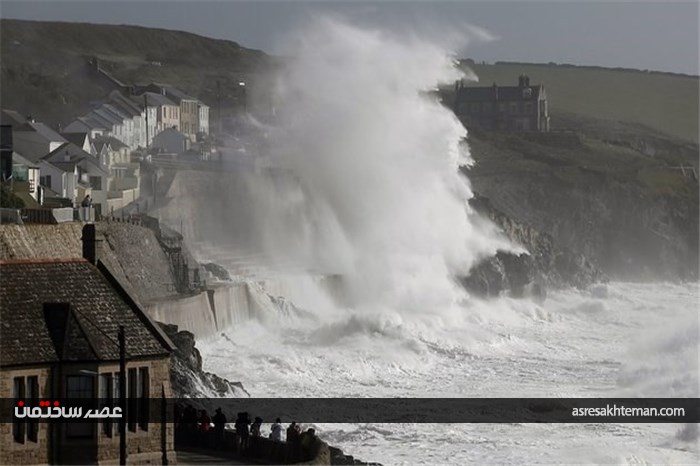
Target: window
[[107, 400], [33, 398], [18, 427], [143, 395], [96, 183], [79, 386], [45, 180], [132, 384]]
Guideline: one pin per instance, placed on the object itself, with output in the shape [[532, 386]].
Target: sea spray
[[380, 199]]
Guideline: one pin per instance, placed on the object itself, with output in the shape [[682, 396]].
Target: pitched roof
[[115, 143], [68, 155], [156, 99], [177, 95], [11, 117], [76, 138], [87, 331], [19, 160], [505, 93]]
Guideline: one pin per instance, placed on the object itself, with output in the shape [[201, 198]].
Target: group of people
[[209, 431]]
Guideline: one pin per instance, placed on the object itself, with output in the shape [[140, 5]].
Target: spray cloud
[[380, 198]]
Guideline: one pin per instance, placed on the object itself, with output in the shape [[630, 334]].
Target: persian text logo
[[45, 410]]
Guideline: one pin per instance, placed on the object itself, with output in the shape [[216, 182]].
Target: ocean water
[[616, 340], [367, 192]]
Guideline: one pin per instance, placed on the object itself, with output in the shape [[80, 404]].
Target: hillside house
[[203, 123], [59, 340], [167, 113], [123, 181], [518, 108], [34, 140], [81, 171], [81, 140], [189, 108], [171, 141], [26, 181], [86, 124]]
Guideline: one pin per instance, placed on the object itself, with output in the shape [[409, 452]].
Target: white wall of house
[[203, 118], [171, 141], [152, 123], [63, 183]]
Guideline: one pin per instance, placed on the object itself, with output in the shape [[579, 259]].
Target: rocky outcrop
[[188, 378], [338, 457], [614, 196], [528, 274]]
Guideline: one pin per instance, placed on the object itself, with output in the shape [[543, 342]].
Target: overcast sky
[[636, 34]]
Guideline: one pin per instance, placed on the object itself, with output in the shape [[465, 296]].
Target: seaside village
[[78, 321], [92, 167]]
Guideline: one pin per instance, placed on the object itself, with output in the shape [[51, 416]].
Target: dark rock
[[217, 271], [186, 374], [524, 274]]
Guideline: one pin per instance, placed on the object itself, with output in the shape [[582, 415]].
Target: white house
[[203, 118], [34, 140], [88, 177], [171, 141], [25, 179]]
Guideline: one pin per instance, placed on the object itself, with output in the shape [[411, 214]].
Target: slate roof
[[76, 155], [19, 160], [76, 138], [488, 94], [114, 143], [178, 95], [155, 99], [87, 331], [12, 118]]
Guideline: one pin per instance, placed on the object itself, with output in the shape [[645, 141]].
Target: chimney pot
[[91, 244]]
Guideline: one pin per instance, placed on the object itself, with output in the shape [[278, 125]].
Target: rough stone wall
[[28, 452], [131, 252], [143, 447]]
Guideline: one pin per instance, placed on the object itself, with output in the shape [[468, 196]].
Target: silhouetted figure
[[276, 431], [255, 437], [255, 427], [189, 418], [293, 450], [204, 428], [85, 207], [242, 431], [308, 445], [219, 420]]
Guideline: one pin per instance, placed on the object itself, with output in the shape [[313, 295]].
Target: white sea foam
[[377, 198]]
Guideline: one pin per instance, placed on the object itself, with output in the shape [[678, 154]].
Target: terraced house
[[60, 320]]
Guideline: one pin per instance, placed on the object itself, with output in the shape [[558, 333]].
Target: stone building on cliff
[[60, 320], [518, 108]]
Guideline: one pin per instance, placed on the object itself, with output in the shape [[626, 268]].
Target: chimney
[[91, 243]]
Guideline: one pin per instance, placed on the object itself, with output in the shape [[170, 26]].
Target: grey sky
[[645, 35]]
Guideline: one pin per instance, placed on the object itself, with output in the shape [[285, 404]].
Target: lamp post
[[241, 85], [122, 396]]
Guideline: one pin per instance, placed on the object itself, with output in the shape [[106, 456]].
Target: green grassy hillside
[[662, 101], [44, 70]]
